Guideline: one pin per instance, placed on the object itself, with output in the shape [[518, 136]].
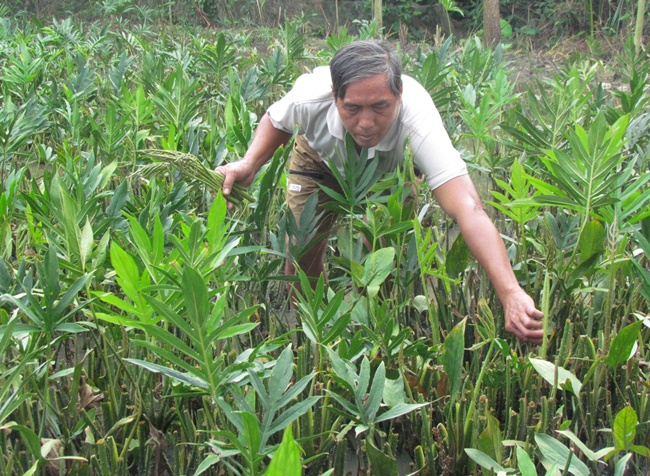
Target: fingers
[[531, 332], [228, 182], [524, 320], [236, 172], [527, 331], [229, 178], [535, 314]]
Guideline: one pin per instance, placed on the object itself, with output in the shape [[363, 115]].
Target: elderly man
[[364, 93]]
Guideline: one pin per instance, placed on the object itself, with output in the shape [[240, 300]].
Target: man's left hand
[[522, 318]]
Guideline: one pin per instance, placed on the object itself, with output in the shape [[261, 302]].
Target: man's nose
[[366, 119]]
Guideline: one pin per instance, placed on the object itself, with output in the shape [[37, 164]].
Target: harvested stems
[[193, 169]]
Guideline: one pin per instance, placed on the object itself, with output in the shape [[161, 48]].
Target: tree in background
[[638, 31], [491, 22], [377, 13]]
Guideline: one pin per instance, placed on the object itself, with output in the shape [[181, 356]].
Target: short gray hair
[[362, 59]]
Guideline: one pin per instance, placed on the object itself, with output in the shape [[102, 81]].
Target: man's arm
[[459, 199], [266, 140]]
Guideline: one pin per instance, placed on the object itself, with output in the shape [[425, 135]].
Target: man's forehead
[[369, 86]]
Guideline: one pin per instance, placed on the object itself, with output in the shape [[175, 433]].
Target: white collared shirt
[[310, 106]]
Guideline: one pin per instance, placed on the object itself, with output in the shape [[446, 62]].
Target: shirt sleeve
[[296, 108], [438, 159], [284, 113], [433, 152]]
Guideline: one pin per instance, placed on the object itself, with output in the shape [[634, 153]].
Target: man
[[364, 93]]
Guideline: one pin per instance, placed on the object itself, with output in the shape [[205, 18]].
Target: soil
[[536, 62]]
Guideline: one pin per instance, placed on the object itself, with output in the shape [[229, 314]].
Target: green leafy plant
[[48, 309], [253, 432], [286, 459], [363, 411], [139, 319], [204, 327]]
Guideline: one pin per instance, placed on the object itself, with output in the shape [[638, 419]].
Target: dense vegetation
[[533, 20], [144, 328]]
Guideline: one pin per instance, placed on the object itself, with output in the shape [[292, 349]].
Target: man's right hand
[[241, 172], [266, 141]]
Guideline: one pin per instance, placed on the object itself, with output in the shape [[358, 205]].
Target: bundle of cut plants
[[193, 170]]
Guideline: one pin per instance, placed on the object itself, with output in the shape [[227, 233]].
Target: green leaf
[[625, 428], [11, 401], [226, 450], [31, 439], [260, 390], [458, 257], [86, 242], [376, 393], [362, 381], [281, 375], [295, 390], [126, 270], [394, 391], [399, 410], [337, 329], [70, 294], [51, 287], [352, 412], [286, 459], [207, 463], [167, 313], [119, 320], [343, 370], [292, 413], [171, 373], [621, 465], [592, 240], [565, 379], [641, 450], [623, 344], [71, 327], [119, 199], [591, 455], [506, 28], [378, 267], [6, 336], [195, 295], [483, 460], [217, 229], [490, 440], [31, 471], [585, 172], [236, 330], [251, 439], [380, 461], [173, 342], [524, 463], [555, 453], [120, 423], [452, 357]]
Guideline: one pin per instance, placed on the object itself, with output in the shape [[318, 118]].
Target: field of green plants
[[145, 328]]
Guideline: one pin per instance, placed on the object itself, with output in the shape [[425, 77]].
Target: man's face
[[368, 109]]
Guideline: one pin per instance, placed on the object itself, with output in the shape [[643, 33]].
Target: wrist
[[253, 162], [507, 291]]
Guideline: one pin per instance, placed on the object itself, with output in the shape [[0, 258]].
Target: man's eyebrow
[[382, 102]]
